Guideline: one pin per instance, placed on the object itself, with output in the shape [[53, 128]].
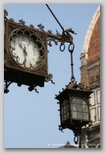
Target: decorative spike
[[49, 31], [36, 90], [11, 19], [50, 75], [49, 78], [41, 27], [22, 22], [49, 43], [60, 128], [5, 14], [52, 82], [57, 33], [81, 86], [32, 26], [66, 86]]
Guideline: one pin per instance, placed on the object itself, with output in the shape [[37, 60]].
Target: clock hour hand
[[20, 45], [23, 49]]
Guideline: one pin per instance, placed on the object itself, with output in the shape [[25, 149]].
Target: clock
[[26, 56], [26, 50]]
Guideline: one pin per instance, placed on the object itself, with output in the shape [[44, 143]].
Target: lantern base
[[74, 125]]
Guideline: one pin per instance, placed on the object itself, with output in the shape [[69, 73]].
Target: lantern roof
[[73, 89]]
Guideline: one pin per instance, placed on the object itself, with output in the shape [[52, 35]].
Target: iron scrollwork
[[63, 38], [6, 85]]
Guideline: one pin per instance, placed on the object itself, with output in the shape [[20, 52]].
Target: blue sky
[[31, 120]]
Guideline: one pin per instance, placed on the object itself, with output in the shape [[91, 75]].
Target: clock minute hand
[[25, 54]]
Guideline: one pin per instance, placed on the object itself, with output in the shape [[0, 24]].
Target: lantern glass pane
[[74, 107], [74, 114], [79, 109], [65, 110], [67, 115], [85, 108], [62, 118], [80, 115], [85, 116], [62, 111]]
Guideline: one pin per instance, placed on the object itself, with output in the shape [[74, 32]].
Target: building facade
[[90, 77]]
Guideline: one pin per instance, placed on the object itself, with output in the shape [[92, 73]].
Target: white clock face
[[25, 51]]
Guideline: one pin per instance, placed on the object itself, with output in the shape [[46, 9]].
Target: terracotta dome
[[90, 56], [91, 45], [94, 44]]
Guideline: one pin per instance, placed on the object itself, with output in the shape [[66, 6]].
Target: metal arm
[[55, 17]]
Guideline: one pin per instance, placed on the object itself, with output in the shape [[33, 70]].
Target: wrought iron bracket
[[6, 85], [61, 129]]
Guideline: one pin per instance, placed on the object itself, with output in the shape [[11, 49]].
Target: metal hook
[[62, 47], [71, 47]]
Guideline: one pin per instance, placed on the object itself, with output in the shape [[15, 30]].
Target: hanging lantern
[[74, 107]]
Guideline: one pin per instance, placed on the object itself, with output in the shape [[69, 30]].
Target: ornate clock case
[[25, 54]]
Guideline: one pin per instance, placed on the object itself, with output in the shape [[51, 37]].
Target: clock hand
[[24, 51], [20, 45]]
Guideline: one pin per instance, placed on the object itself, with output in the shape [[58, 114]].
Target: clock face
[[25, 52]]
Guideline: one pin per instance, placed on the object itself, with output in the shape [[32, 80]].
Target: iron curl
[[62, 47]]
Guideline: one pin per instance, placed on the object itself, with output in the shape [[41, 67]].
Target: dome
[[91, 47], [90, 56]]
